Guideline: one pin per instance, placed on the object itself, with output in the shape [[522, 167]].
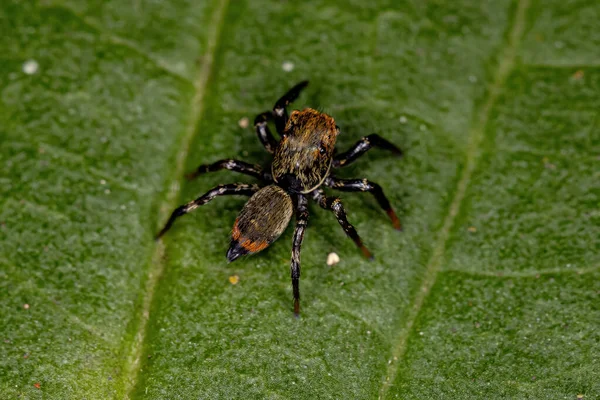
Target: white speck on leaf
[[102, 182], [30, 67], [332, 259], [244, 123], [403, 119], [288, 66]]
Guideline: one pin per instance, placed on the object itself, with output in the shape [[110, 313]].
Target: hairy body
[[303, 160]]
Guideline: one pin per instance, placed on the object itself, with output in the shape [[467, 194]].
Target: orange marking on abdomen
[[254, 247], [235, 232]]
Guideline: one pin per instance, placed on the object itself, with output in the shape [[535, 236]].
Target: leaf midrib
[[476, 135], [132, 366]]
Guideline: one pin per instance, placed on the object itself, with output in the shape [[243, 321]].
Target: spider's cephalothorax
[[304, 154], [303, 161]]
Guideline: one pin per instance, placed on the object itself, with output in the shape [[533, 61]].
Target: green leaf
[[491, 291]]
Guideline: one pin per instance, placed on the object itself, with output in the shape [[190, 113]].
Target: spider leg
[[334, 204], [361, 147], [363, 185], [301, 222], [264, 133], [221, 190], [232, 165], [279, 115], [280, 108]]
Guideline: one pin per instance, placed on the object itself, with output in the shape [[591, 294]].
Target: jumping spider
[[302, 162]]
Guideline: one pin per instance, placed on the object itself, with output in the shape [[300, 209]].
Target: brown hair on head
[[303, 156]]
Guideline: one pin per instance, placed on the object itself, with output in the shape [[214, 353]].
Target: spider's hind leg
[[301, 222], [221, 190]]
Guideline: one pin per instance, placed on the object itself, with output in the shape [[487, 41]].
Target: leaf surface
[[491, 291]]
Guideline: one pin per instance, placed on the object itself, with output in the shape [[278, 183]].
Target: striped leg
[[279, 115], [334, 204], [232, 165], [364, 145], [363, 185], [221, 190], [301, 222]]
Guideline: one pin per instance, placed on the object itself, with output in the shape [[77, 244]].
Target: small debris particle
[[30, 67], [26, 355], [368, 332], [102, 182], [107, 191], [533, 378], [579, 74], [472, 229], [403, 119], [332, 259], [580, 396], [477, 324], [244, 123], [37, 385], [234, 279], [26, 306], [288, 66], [421, 333]]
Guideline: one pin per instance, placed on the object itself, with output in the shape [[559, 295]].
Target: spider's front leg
[[231, 165], [221, 190], [334, 204], [301, 222], [279, 115], [362, 146], [364, 185]]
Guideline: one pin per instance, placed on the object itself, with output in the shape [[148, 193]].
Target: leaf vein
[[476, 136], [157, 265]]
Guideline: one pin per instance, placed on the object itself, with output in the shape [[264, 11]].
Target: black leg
[[232, 165], [279, 115], [334, 204], [264, 133], [363, 185], [301, 222], [280, 109], [221, 190], [362, 147]]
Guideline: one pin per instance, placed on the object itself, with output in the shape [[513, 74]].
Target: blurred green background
[[492, 290]]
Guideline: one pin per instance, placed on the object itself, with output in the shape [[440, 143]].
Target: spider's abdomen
[[262, 220]]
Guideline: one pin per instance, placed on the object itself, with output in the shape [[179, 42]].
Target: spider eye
[[322, 149]]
